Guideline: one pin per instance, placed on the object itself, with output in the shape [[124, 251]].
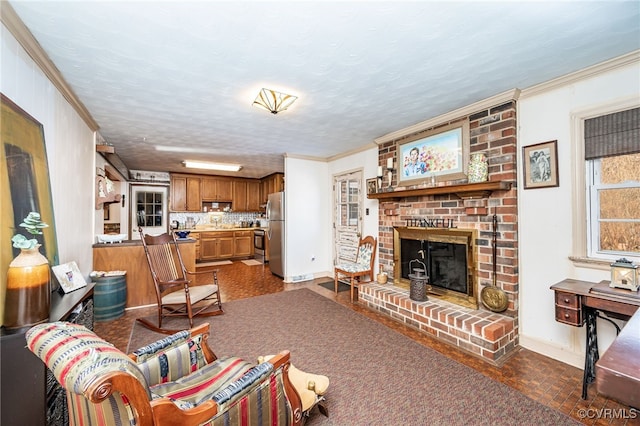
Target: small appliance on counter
[[182, 234]]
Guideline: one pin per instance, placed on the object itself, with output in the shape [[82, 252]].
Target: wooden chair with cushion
[[176, 294], [363, 265], [175, 381]]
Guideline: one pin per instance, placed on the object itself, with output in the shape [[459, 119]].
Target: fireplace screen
[[446, 262], [448, 254]]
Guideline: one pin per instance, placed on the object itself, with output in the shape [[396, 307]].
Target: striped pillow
[[191, 390], [171, 358]]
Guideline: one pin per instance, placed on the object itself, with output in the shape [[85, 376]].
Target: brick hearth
[[485, 334]]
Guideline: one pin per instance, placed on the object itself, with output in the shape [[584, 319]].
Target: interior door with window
[[149, 210], [348, 215]]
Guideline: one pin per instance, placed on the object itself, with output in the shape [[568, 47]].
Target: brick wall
[[492, 131], [488, 335]]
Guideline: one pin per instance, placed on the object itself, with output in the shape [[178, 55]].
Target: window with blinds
[[612, 154]]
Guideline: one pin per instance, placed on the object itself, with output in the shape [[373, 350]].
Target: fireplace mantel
[[464, 191]]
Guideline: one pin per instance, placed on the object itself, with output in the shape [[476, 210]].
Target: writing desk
[[582, 302]]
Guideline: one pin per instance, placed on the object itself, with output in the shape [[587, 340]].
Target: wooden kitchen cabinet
[[271, 184], [239, 195], [253, 195], [243, 244], [216, 245], [185, 193], [246, 195], [217, 189], [196, 236]]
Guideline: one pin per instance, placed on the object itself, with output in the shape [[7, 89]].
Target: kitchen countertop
[[212, 229]]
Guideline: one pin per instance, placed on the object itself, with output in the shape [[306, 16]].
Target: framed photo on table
[[372, 185], [69, 276], [441, 154], [540, 163]]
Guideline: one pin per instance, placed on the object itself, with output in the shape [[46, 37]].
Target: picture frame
[[540, 164], [440, 154], [69, 276], [372, 185]]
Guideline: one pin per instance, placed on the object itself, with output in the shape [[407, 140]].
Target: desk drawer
[[568, 300], [569, 316]]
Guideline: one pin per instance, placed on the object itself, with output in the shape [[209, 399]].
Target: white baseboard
[[559, 353]]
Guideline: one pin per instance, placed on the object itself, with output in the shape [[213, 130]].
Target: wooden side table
[[28, 392], [582, 302]]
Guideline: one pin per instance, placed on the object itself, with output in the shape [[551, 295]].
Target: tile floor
[[543, 379]]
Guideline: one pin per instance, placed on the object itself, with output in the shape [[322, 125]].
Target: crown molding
[[592, 71], [467, 110], [16, 27]]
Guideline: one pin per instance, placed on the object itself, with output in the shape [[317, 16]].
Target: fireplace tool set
[[493, 297]]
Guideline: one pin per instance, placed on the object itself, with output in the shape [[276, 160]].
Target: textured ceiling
[[183, 74]]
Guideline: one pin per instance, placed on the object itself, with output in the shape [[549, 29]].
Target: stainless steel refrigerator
[[275, 233]]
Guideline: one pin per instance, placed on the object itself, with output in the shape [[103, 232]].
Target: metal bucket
[[418, 284], [109, 297]]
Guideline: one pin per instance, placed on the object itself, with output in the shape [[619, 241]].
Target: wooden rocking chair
[[175, 293]]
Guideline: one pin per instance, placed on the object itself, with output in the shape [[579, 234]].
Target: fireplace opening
[[448, 255]]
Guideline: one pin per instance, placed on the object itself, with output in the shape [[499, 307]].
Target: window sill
[[591, 263]]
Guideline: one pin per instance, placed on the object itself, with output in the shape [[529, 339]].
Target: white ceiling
[[184, 74]]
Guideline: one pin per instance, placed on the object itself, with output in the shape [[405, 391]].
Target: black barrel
[[109, 297]]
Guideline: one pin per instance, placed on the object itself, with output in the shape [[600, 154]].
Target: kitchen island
[[129, 256]]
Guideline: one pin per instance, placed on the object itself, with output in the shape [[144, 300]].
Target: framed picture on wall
[[441, 153], [372, 186], [540, 163]]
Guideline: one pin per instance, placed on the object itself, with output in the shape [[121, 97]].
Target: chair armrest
[[124, 383], [202, 272]]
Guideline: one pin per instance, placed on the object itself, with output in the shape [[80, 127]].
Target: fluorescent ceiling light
[[212, 166]]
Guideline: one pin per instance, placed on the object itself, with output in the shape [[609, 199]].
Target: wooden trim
[[464, 191]]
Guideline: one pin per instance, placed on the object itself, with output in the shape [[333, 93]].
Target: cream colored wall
[[70, 150], [547, 218]]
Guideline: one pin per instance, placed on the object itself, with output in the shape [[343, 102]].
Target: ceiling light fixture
[[273, 101], [212, 166]]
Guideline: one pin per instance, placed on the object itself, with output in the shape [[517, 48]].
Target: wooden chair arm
[[202, 272], [119, 381]]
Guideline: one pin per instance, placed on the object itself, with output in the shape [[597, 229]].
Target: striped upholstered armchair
[[177, 380]]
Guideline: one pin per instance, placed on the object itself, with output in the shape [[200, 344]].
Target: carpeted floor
[[378, 376], [329, 285]]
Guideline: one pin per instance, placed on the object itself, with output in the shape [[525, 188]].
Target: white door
[[149, 210], [347, 223]]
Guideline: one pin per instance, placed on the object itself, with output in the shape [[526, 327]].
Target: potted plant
[[28, 297]]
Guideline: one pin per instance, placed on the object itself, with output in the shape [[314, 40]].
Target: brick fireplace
[[463, 321]]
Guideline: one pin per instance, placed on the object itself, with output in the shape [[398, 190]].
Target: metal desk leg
[[591, 354]]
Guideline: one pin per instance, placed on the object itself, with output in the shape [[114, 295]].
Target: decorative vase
[[28, 297], [478, 168]]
